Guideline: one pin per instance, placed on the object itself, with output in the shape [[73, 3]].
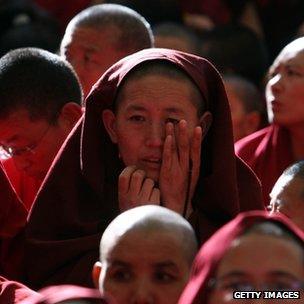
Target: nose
[[276, 83], [143, 293], [155, 135]]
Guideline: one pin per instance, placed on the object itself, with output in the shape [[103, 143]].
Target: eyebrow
[[134, 107], [119, 263], [282, 273], [165, 264]]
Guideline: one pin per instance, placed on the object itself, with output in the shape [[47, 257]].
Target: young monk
[[40, 102], [160, 119], [254, 252], [271, 150], [145, 256]]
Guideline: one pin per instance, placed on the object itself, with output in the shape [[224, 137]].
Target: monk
[[271, 150], [157, 130], [146, 255], [287, 194], [40, 102], [254, 252], [99, 36]]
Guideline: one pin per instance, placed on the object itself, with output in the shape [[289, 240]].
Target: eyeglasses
[[229, 285], [14, 151]]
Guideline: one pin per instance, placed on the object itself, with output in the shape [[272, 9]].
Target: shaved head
[[149, 219], [146, 255]]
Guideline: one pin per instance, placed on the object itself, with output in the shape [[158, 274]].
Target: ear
[[109, 119], [96, 274], [69, 115], [205, 122], [252, 122]]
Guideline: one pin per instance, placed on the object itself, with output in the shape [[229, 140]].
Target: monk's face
[[285, 88], [287, 198], [145, 106], [258, 263], [90, 52], [34, 143], [143, 267]]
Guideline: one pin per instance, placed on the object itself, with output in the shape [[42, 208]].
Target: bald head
[[148, 220], [287, 195], [145, 256], [101, 35]]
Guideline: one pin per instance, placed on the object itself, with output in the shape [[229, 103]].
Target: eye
[[121, 275], [292, 72], [237, 286], [173, 120], [137, 118], [164, 277]]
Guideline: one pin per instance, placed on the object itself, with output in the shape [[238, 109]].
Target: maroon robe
[[60, 293], [13, 292], [13, 216], [212, 252], [268, 153], [79, 197]]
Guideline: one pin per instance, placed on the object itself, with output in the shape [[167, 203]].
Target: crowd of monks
[[134, 173]]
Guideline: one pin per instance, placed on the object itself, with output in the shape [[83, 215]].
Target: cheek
[[118, 291]]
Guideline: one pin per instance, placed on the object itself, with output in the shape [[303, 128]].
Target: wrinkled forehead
[[163, 69]]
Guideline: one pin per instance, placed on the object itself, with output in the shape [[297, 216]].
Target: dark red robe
[[13, 292], [61, 293], [268, 153]]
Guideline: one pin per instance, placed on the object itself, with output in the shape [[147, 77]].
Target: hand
[[135, 189], [180, 166]]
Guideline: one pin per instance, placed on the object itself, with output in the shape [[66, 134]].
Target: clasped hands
[[179, 172]]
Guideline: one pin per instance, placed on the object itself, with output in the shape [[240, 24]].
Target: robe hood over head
[[212, 252]]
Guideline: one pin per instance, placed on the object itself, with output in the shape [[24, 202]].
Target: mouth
[[152, 162]]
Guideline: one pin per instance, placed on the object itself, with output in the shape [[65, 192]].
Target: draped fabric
[[268, 153]]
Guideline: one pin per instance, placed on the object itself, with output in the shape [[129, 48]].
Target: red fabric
[[25, 186], [12, 220], [13, 292], [13, 213], [79, 197], [56, 294], [211, 253], [268, 153]]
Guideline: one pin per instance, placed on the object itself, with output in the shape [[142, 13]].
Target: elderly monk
[[99, 36]]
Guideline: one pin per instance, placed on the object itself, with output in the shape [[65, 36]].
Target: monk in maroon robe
[[207, 184], [253, 252]]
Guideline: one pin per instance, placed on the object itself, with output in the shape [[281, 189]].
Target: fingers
[[136, 182], [183, 144], [124, 179], [155, 196], [135, 189], [195, 157]]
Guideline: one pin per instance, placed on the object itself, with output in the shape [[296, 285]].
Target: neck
[[297, 141]]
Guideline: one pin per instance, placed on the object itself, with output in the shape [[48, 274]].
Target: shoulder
[[247, 146]]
